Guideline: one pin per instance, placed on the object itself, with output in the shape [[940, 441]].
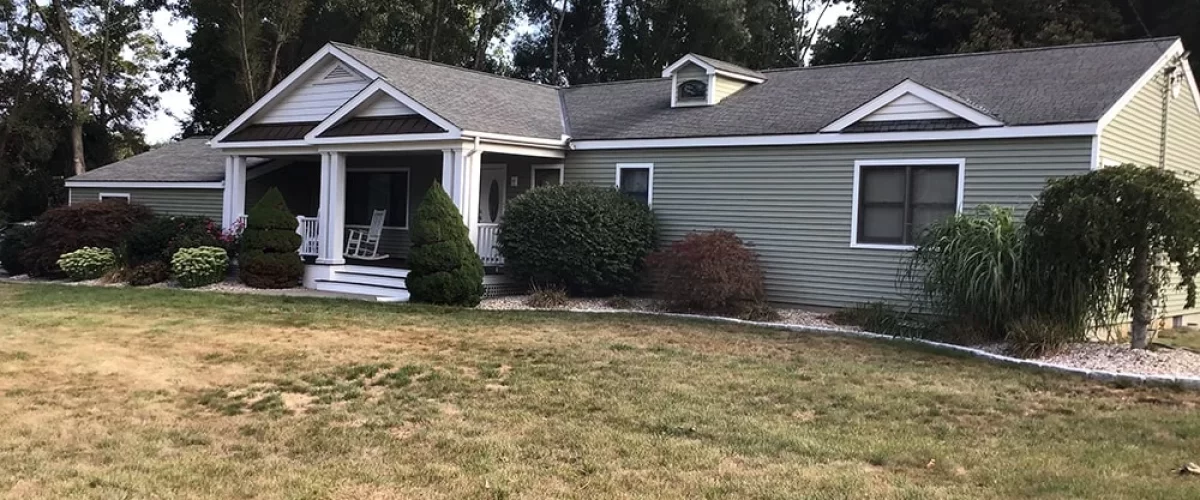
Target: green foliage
[[270, 245], [15, 242], [195, 267], [158, 239], [713, 272], [69, 228], [444, 266], [88, 263], [875, 317], [149, 273], [591, 240], [1038, 336], [1105, 243]]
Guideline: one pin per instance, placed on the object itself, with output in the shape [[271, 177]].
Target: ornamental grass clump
[[270, 255], [88, 263], [445, 269], [196, 267]]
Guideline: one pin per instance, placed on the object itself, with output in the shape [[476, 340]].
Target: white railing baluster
[[309, 229], [488, 237]]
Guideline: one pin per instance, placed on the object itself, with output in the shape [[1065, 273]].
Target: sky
[[176, 105]]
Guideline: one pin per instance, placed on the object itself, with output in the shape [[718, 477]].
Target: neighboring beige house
[[828, 171]]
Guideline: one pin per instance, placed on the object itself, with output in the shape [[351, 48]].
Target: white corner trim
[[1097, 140], [1173, 51], [929, 95], [649, 180], [103, 196], [1031, 131], [533, 168], [377, 87], [899, 162], [308, 68], [144, 185]]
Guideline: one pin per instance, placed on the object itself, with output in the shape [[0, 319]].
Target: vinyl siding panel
[[313, 100], [1135, 136], [384, 105], [192, 202], [909, 107], [727, 87], [794, 203]]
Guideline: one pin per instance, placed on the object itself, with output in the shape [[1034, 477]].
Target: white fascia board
[[1171, 53], [517, 139], [690, 58], [744, 78], [378, 86], [235, 145], [1064, 130], [377, 139], [144, 185], [310, 65], [929, 95]]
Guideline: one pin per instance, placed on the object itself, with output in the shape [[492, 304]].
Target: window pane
[[545, 177], [923, 217], [935, 185], [635, 182], [881, 225], [882, 185]]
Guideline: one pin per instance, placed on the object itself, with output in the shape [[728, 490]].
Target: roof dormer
[[703, 81]]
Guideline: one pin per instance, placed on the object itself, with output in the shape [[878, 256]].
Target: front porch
[[334, 193]]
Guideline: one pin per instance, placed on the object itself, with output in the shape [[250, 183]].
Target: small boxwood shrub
[[270, 245], [591, 240], [88, 263], [61, 230], [149, 273], [713, 272], [15, 242], [199, 266], [444, 266]]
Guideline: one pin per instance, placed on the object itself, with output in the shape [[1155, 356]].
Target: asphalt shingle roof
[[1067, 84], [188, 160]]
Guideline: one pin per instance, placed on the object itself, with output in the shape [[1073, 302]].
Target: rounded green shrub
[[591, 240], [149, 273], [157, 239], [270, 245], [88, 263], [15, 242], [194, 267], [106, 224], [445, 269]]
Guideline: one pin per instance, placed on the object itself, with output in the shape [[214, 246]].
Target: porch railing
[[488, 237], [309, 230]]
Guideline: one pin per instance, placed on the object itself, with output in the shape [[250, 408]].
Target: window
[[636, 180], [547, 175], [895, 201], [115, 196], [367, 191]]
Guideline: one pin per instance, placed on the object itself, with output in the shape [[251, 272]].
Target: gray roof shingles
[[188, 160]]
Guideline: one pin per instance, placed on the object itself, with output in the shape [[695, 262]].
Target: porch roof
[[189, 160]]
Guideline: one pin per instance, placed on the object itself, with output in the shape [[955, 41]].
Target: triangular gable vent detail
[[910, 101], [339, 73], [909, 107]]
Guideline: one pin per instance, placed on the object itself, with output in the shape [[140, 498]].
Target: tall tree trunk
[[66, 37], [488, 23], [562, 14], [1142, 298], [248, 85]]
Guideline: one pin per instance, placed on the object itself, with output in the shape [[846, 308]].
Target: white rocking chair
[[364, 245]]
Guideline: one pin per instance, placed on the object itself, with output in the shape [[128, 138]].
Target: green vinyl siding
[[793, 203], [164, 201], [1135, 136]]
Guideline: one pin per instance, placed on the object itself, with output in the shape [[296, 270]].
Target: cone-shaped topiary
[[270, 245], [444, 266]]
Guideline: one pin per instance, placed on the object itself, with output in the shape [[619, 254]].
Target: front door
[[492, 193]]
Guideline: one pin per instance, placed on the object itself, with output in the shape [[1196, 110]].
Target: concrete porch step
[[373, 271], [380, 292]]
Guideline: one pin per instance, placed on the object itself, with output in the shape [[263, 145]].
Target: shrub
[[444, 266], [711, 272], [270, 245], [194, 267], [591, 240], [1037, 336], [158, 239], [149, 273], [88, 263], [619, 302], [875, 317], [15, 243], [547, 298], [62, 230]]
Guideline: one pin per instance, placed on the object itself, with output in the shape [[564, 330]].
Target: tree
[[570, 45], [445, 269], [270, 245], [1107, 243]]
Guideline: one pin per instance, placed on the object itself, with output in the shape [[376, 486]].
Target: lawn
[[114, 393]]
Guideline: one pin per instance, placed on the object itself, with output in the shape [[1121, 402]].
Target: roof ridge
[[448, 66], [977, 54], [615, 82]]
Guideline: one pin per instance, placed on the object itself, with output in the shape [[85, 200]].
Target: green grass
[[115, 393]]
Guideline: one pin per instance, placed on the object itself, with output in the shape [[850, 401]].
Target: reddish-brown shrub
[[709, 272], [60, 230]]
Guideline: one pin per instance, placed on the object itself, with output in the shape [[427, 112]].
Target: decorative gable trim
[[328, 52], [383, 90], [708, 68], [952, 107], [339, 74]]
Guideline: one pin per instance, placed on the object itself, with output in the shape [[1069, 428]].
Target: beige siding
[[727, 87], [1135, 136], [794, 203], [197, 202]]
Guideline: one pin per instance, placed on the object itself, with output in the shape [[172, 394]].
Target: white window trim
[[105, 196], [533, 169], [649, 183], [1109, 162], [408, 194], [962, 169]]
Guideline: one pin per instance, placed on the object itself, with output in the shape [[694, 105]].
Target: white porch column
[[333, 209], [460, 178], [234, 196]]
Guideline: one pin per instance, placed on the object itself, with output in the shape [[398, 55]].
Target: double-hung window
[[547, 175], [636, 180], [371, 190], [897, 200]]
